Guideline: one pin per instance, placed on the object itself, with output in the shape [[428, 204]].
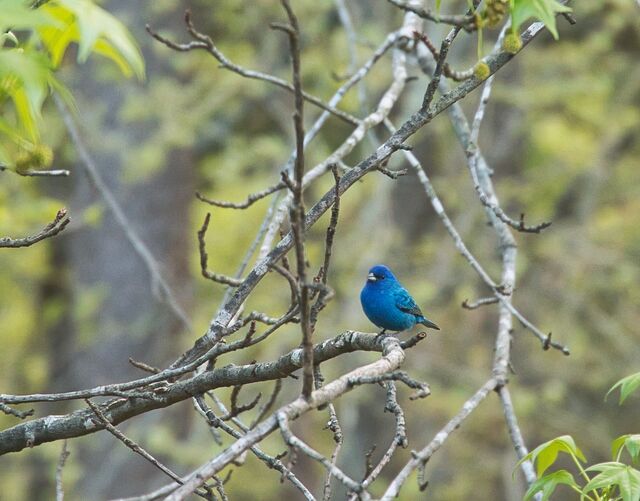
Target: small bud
[[37, 157], [478, 21], [42, 156], [481, 70], [494, 12], [23, 162], [512, 43]]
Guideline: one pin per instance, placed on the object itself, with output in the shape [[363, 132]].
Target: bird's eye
[[380, 277]]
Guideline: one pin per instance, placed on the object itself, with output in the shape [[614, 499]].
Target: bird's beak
[[371, 277]]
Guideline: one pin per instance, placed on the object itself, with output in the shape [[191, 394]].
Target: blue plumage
[[388, 305]]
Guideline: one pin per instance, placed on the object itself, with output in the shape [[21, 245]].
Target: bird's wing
[[405, 303]]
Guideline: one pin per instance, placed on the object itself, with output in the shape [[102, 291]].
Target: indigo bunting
[[388, 305]]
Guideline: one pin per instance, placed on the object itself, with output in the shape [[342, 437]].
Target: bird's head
[[380, 276]]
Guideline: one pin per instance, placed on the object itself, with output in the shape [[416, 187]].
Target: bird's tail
[[428, 323]]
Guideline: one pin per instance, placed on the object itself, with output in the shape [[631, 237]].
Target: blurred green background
[[561, 134]]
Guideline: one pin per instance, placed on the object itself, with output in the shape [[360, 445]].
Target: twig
[[393, 358], [422, 456], [461, 127], [326, 293], [37, 172], [463, 21], [447, 70], [237, 409], [272, 462], [338, 437], [392, 174], [204, 258], [480, 302], [204, 42], [384, 107], [64, 454], [331, 229], [544, 338], [473, 161], [10, 411], [143, 366], [159, 285], [35, 432], [219, 485], [516, 436], [274, 216], [53, 228], [422, 389], [399, 439], [264, 227], [101, 418], [251, 199], [264, 409], [293, 441], [297, 210], [437, 73]]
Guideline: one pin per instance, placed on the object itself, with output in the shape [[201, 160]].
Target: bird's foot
[[382, 334]]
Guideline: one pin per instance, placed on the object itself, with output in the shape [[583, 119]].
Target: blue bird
[[388, 305]]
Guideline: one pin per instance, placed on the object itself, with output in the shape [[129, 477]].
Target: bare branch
[[516, 436], [447, 71], [9, 411], [53, 228], [393, 174], [64, 454], [237, 409], [297, 210], [251, 199], [422, 456], [399, 439], [293, 441], [204, 42], [269, 404], [338, 437], [53, 428], [37, 172], [204, 258], [480, 302], [326, 293], [104, 421], [466, 21], [437, 73], [393, 357]]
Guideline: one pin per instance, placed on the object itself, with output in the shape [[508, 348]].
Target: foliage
[[32, 47], [541, 10], [615, 480], [627, 386]]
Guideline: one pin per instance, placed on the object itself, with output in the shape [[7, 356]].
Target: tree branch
[[78, 423], [59, 223], [204, 42]]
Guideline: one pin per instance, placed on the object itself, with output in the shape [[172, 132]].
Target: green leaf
[[18, 15], [630, 442], [543, 10], [548, 483], [625, 477], [95, 30], [31, 73], [627, 386], [546, 454]]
